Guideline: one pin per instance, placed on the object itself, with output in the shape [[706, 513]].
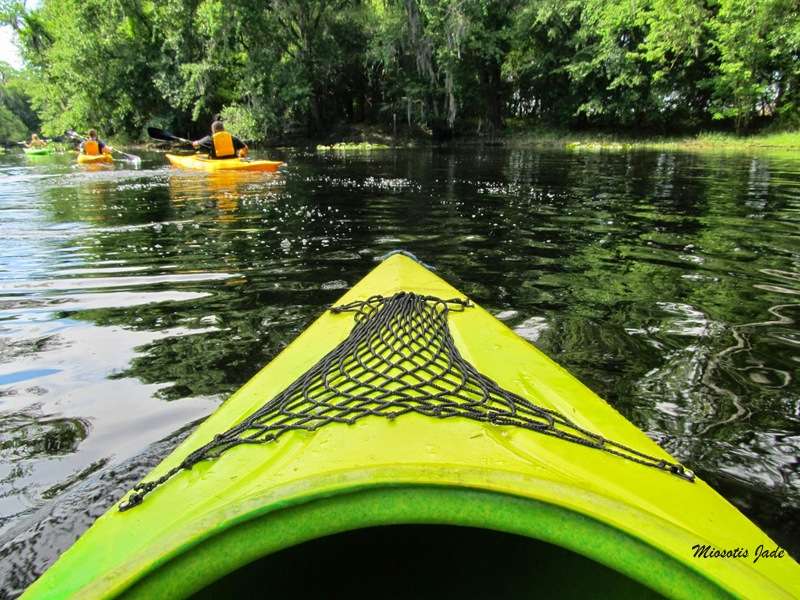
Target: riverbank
[[368, 138], [703, 141]]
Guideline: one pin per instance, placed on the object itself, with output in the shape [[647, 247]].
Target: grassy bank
[[704, 141], [359, 138]]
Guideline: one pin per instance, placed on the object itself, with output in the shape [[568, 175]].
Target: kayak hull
[[39, 151], [201, 162], [94, 159], [256, 500]]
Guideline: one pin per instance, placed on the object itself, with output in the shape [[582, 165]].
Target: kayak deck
[[89, 159], [252, 501], [201, 162]]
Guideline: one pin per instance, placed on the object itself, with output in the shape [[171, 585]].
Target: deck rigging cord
[[400, 357]]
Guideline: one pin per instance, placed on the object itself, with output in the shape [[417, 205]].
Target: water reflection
[[25, 435], [222, 191], [132, 302]]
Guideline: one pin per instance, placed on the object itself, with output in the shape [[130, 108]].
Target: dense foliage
[[277, 66], [16, 116]]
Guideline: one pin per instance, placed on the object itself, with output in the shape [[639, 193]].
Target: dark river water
[[134, 300]]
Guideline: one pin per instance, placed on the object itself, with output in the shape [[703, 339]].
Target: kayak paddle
[[129, 157], [165, 136]]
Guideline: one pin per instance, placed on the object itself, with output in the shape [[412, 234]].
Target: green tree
[[17, 119], [758, 72], [543, 46], [679, 56], [442, 65], [90, 59], [443, 60]]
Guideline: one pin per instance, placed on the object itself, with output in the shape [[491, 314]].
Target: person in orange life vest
[[221, 144], [93, 146]]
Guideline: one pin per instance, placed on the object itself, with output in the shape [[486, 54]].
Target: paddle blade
[[128, 157], [160, 134], [166, 136]]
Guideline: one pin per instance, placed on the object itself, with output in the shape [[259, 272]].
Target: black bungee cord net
[[399, 358]]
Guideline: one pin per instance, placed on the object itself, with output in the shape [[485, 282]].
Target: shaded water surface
[[133, 301]]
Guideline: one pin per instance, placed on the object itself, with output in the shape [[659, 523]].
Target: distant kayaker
[[35, 142], [221, 144], [92, 146]]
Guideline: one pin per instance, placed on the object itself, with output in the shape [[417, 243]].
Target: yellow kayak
[[91, 159], [406, 419], [201, 162]]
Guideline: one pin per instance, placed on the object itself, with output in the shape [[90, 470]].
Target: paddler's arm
[[204, 144], [240, 147]]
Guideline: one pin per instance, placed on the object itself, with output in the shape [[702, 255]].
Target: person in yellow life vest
[[93, 146], [221, 144], [35, 142]]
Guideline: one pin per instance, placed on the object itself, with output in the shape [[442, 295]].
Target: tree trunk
[[493, 95]]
